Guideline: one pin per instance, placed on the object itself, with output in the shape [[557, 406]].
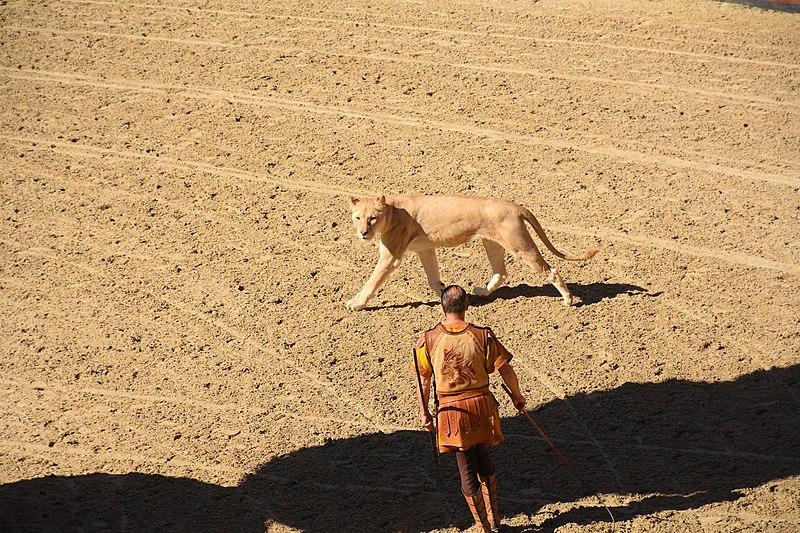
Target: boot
[[478, 509], [489, 490]]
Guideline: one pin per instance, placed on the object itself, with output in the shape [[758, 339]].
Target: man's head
[[454, 300]]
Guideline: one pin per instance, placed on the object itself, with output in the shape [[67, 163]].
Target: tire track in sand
[[666, 88], [162, 262], [605, 233], [49, 145], [182, 400], [697, 251], [303, 106], [433, 29], [131, 37], [339, 396], [684, 249]]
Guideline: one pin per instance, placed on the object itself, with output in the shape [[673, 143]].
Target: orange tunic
[[461, 359]]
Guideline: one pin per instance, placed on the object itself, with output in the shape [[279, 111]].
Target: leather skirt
[[468, 418]]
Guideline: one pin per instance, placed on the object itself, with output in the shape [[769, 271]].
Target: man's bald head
[[454, 299]]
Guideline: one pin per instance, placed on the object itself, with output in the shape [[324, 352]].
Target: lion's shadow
[[677, 444], [588, 294]]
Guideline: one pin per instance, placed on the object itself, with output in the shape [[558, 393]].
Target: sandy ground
[[176, 250]]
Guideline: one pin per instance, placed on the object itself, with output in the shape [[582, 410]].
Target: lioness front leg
[[386, 264]]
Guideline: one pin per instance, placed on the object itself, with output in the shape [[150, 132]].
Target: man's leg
[[471, 487], [488, 482]]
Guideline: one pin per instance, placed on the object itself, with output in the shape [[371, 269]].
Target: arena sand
[[176, 251]]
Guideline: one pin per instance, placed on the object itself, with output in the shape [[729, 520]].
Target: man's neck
[[454, 318]]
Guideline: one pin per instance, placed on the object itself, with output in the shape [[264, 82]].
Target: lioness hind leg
[[557, 281], [537, 262], [497, 258], [431, 266]]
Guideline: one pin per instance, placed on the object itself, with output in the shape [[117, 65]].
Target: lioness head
[[368, 216]]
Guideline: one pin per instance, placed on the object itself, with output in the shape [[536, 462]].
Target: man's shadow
[[677, 445]]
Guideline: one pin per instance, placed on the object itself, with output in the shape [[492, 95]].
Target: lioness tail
[[590, 252]]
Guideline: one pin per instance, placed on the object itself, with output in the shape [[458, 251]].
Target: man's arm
[[511, 380]]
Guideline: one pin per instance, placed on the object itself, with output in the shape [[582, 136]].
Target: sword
[[558, 453]]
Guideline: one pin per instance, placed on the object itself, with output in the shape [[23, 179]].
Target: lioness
[[423, 223]]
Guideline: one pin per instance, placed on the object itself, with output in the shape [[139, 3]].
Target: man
[[457, 357]]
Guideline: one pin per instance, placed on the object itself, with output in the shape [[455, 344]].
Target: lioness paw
[[480, 291], [354, 306]]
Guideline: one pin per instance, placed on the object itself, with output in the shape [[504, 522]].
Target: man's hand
[[511, 381], [426, 420], [519, 402]]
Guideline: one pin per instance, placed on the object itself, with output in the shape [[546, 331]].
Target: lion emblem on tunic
[[456, 368]]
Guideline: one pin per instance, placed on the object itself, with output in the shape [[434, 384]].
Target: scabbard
[[432, 434]]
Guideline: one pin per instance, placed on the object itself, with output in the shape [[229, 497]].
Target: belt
[[463, 395]]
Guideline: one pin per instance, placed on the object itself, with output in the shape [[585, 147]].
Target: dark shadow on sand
[[681, 444], [406, 305], [588, 294]]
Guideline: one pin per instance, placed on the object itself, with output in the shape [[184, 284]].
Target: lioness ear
[[353, 201], [382, 200]]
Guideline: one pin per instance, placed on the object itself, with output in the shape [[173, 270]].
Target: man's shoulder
[[484, 329], [421, 341], [424, 334], [431, 334]]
